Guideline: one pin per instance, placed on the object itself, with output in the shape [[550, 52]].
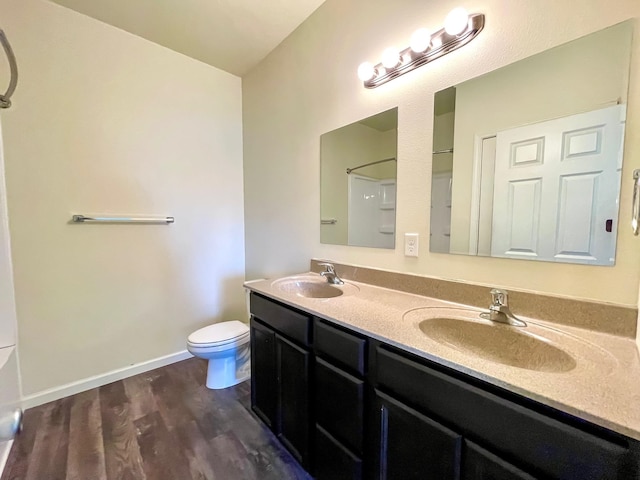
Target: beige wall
[[308, 86], [106, 122], [547, 86]]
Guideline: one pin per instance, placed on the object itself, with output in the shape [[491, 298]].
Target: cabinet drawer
[[340, 404], [344, 348], [334, 462], [292, 324], [543, 445], [478, 464]]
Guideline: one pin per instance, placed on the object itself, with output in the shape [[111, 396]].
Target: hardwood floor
[[162, 424]]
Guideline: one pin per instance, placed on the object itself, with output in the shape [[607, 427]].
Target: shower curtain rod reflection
[[349, 170], [5, 100]]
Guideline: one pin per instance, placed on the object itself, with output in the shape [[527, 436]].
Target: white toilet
[[226, 346]]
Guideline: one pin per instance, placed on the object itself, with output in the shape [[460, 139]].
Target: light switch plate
[[411, 242]]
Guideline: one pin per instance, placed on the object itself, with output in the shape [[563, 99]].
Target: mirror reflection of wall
[[358, 208], [536, 157], [442, 170]]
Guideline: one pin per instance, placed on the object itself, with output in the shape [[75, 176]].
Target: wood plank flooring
[[159, 425]]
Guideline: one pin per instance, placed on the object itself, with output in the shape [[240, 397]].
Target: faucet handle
[[328, 266], [499, 298]]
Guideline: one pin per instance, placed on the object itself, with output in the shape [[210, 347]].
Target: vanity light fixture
[[459, 29]]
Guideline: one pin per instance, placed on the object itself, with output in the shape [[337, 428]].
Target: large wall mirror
[[358, 182], [527, 158]]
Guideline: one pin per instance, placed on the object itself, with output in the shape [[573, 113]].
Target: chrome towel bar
[[117, 219]]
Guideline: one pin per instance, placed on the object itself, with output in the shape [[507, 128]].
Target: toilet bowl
[[226, 346]]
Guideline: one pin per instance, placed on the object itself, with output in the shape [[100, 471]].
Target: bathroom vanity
[[350, 401]]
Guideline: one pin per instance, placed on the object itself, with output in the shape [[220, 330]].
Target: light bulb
[[420, 40], [390, 57], [456, 21], [366, 71]]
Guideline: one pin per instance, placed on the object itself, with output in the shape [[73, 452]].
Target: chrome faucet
[[499, 309], [330, 274]]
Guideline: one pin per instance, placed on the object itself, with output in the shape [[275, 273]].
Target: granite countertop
[[603, 387]]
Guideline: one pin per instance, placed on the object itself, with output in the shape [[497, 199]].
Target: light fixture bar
[[441, 44]]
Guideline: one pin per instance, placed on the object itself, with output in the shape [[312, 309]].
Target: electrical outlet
[[411, 244]]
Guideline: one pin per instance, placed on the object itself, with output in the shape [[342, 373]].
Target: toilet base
[[229, 369], [215, 380]]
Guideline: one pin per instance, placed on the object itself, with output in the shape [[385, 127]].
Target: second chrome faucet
[[499, 309]]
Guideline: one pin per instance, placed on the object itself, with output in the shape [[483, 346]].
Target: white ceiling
[[233, 35]]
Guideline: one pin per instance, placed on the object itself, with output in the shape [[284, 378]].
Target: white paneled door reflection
[[556, 189], [372, 211]]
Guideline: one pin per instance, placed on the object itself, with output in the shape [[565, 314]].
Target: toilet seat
[[220, 334]]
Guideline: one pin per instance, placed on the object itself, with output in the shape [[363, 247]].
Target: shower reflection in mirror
[[358, 182], [527, 159]]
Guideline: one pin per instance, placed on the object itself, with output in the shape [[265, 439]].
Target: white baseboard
[[51, 394]]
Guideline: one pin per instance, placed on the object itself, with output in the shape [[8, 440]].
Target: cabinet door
[[294, 367], [411, 446], [479, 464], [264, 393]]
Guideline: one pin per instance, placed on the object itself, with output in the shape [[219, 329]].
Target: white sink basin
[[313, 286]]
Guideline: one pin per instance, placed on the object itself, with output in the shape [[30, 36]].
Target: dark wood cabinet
[[409, 445], [281, 377], [264, 393], [351, 407], [339, 402], [536, 437], [295, 426]]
